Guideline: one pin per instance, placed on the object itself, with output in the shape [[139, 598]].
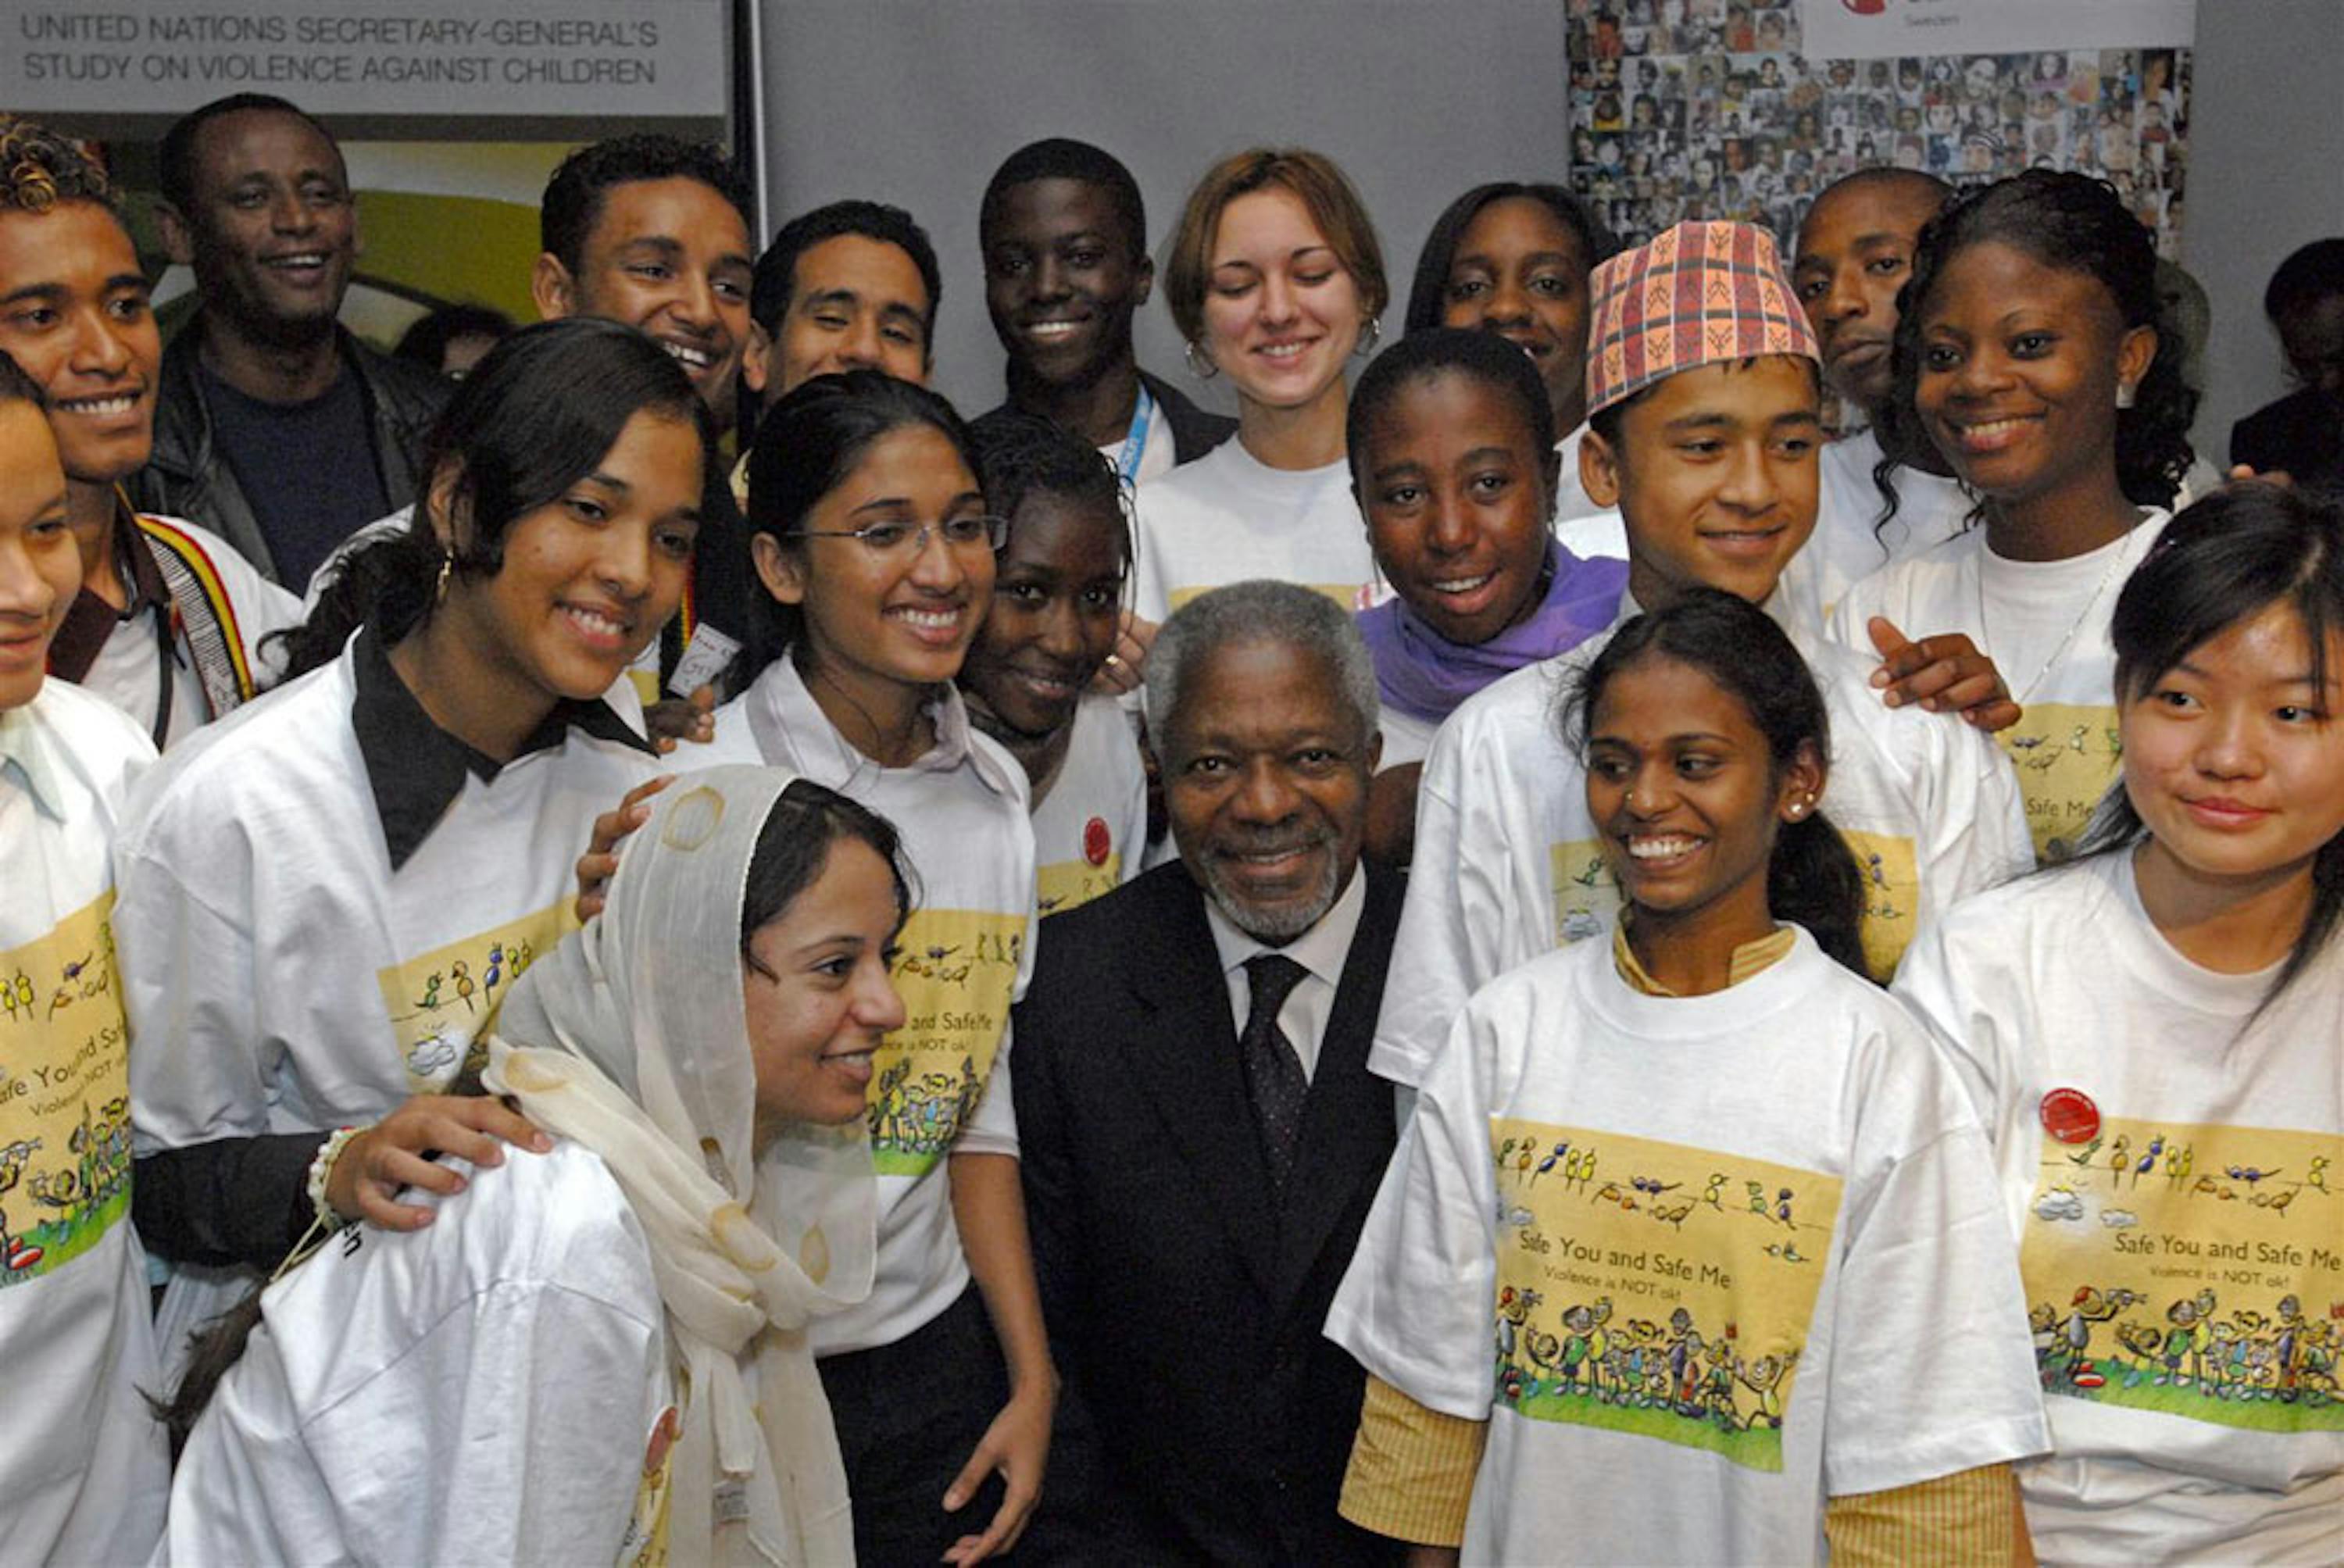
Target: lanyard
[[1134, 442]]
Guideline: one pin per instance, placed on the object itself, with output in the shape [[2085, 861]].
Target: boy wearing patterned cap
[[1703, 393]]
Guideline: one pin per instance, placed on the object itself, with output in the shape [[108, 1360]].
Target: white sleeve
[[1928, 1295], [1968, 1035], [523, 1412], [1415, 1306], [1973, 816], [191, 992], [263, 607], [1467, 918]]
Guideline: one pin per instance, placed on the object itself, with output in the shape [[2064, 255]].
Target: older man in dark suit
[[1201, 1135]]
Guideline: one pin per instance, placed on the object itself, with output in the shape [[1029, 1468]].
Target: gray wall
[[2265, 175], [917, 101]]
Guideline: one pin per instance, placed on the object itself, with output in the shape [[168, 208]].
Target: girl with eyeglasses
[[875, 549]]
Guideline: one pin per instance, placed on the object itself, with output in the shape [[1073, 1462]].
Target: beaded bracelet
[[322, 1171]]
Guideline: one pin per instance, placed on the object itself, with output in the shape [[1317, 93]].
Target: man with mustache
[[1201, 1136], [277, 428], [1855, 251]]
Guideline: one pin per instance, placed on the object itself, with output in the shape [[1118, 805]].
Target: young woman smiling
[[600, 1353], [1808, 1192], [321, 906], [2029, 348], [1454, 463], [1514, 259], [1058, 600], [2150, 1036], [1275, 278], [875, 549]]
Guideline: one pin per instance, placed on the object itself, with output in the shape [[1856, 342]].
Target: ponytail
[[1813, 880]]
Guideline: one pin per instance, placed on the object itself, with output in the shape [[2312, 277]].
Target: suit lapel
[[1183, 1053], [1347, 1122]]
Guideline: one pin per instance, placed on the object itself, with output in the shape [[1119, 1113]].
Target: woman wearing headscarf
[[603, 1353]]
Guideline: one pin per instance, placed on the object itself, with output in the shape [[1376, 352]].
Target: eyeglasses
[[912, 537]]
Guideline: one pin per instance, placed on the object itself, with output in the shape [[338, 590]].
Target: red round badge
[[1097, 844], [2069, 1115]]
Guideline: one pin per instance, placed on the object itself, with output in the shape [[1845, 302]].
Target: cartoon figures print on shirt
[[2193, 1270], [956, 972], [1634, 1296], [65, 1097]]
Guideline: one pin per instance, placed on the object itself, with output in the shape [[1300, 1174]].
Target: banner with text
[[603, 59], [1884, 29]]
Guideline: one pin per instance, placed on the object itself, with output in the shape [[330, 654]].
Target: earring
[[2124, 396], [1370, 336], [1200, 364], [447, 570], [1799, 809]]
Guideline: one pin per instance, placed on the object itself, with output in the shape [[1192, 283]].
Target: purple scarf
[[1426, 676]]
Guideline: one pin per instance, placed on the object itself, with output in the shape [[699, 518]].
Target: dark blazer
[[1195, 432], [1185, 1308]]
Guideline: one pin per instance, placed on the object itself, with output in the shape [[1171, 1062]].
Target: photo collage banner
[[1706, 109]]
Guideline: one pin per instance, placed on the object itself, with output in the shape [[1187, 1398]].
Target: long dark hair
[[2243, 549], [1428, 292], [1811, 877], [806, 446], [538, 411], [2075, 224], [794, 845]]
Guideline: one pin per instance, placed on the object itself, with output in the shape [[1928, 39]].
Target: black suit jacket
[[1185, 1306]]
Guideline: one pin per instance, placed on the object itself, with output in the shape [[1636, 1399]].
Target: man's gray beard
[[1283, 922]]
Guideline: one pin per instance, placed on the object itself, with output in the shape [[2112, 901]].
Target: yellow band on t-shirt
[[1968, 1517]]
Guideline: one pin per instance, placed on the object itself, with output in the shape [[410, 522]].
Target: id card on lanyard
[[1135, 441]]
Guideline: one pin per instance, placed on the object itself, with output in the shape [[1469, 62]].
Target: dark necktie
[[1273, 1072]]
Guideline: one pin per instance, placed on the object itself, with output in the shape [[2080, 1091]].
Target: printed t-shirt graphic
[[1655, 1289], [956, 972], [64, 1096], [441, 1003], [2046, 625], [2195, 1271]]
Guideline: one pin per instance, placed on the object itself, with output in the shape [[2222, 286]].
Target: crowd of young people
[[516, 1058]]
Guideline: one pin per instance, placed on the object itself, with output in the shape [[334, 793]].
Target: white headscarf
[[631, 1037]]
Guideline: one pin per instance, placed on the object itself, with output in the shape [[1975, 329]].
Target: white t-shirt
[[1571, 497], [1930, 510], [484, 1390], [1508, 863], [1091, 829], [127, 671], [1228, 518], [281, 975], [1733, 1254], [1407, 738], [940, 1084], [83, 1466], [2045, 626], [2183, 1244]]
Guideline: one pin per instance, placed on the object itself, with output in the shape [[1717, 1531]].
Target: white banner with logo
[[429, 58], [1880, 29]]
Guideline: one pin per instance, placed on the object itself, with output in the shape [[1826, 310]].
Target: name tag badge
[[705, 657]]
